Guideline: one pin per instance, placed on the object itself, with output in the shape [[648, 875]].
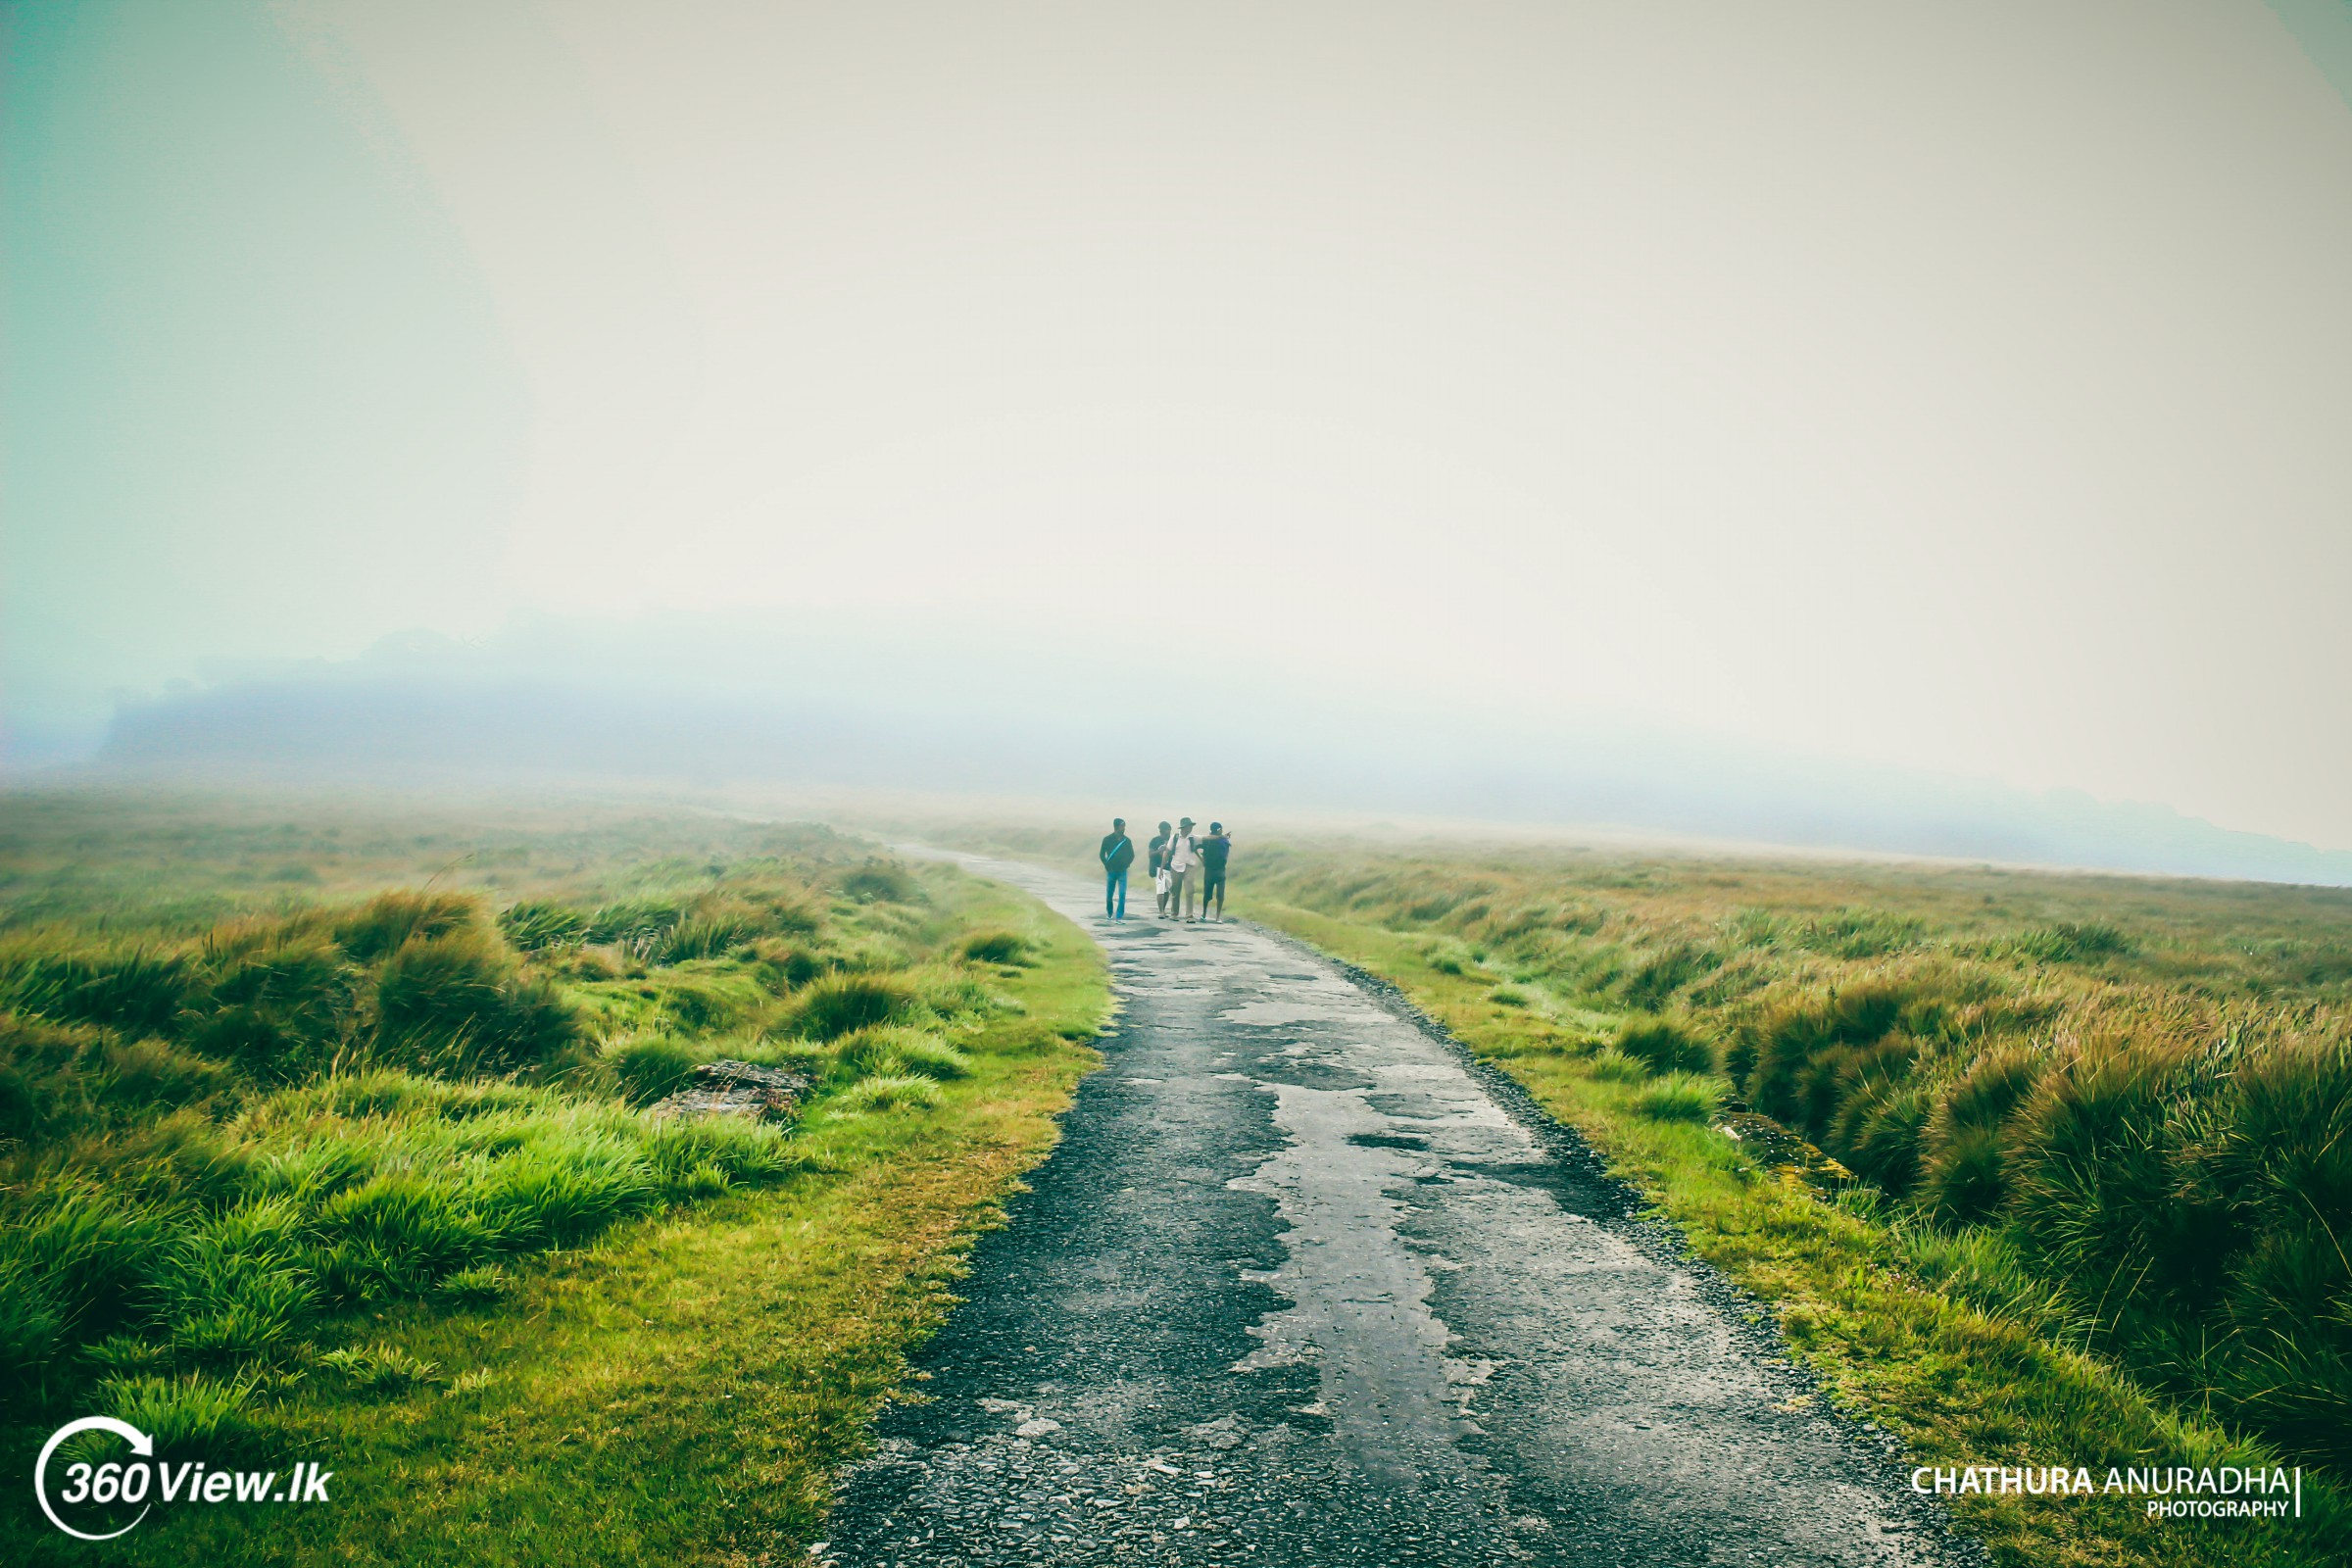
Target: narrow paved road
[[1301, 1286]]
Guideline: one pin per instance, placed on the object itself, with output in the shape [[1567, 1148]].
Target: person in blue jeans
[[1116, 854]]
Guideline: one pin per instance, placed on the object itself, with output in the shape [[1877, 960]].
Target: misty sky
[[1960, 387]]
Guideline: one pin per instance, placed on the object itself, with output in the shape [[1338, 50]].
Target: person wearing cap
[[1182, 856], [1215, 852], [1116, 854]]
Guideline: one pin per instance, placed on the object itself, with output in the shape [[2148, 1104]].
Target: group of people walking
[[1186, 870]]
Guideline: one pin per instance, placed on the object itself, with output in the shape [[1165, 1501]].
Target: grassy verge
[[518, 1319], [1961, 1381]]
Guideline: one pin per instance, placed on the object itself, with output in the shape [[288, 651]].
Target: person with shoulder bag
[[1183, 854], [1157, 867], [1116, 854]]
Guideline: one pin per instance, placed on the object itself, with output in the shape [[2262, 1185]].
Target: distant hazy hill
[[1007, 721]]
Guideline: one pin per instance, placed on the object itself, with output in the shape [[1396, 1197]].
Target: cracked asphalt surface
[[1303, 1284]]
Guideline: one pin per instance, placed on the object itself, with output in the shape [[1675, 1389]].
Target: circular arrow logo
[[140, 1443]]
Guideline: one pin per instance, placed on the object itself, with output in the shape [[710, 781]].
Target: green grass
[[2061, 1188], [1682, 1097], [2147, 1087], [439, 1247]]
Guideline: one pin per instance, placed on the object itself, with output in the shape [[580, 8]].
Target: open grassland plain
[[2034, 1169], [333, 1134]]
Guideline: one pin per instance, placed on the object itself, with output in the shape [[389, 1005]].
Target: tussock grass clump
[[1682, 1097], [704, 1004], [2197, 1198], [1860, 933], [1992, 1086], [84, 1255], [127, 1356], [1664, 1044], [2068, 942], [998, 944], [707, 936], [786, 966], [1615, 1067], [881, 882], [134, 989], [284, 1009], [874, 955], [1802, 1058], [1453, 957], [408, 1229], [1879, 1129], [785, 908], [634, 922], [454, 1003], [2096, 1161], [32, 1323], [143, 1074], [839, 1004], [391, 920], [55, 1078], [897, 1052], [737, 1150], [191, 1414], [651, 1068], [535, 924], [1651, 981], [1966, 1177], [951, 992], [394, 1096], [231, 1289], [377, 1369], [2287, 1162], [559, 1196], [34, 1089], [479, 1285], [1965, 1174]]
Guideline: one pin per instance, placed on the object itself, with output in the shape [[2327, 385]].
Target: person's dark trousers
[[1114, 895]]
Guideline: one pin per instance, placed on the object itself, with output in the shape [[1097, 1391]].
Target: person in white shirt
[[1180, 860]]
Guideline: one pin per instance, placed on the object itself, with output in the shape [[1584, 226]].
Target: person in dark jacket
[[1159, 863], [1116, 854], [1215, 851]]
